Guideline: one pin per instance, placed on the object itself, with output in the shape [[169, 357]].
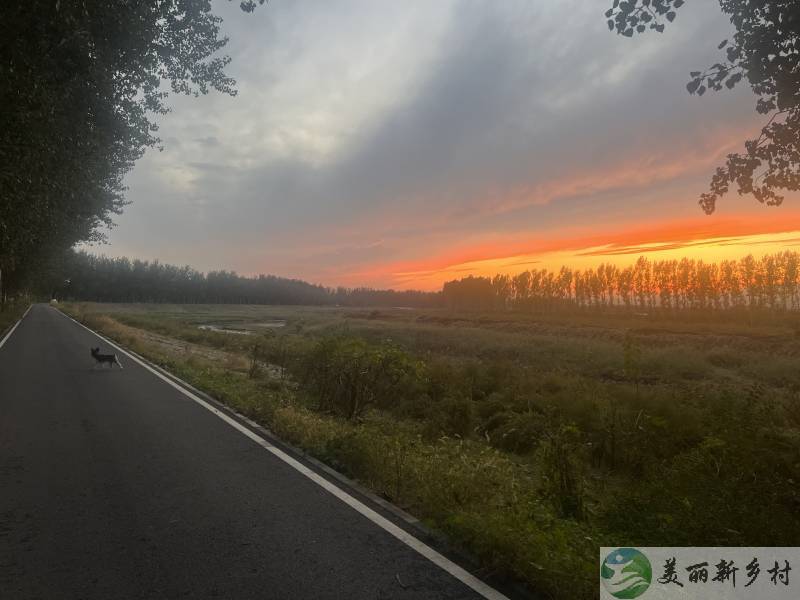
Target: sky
[[403, 144]]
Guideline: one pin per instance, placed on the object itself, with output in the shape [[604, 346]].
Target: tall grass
[[529, 444]]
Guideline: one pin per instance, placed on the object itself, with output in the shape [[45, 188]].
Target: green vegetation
[[81, 86], [529, 441]]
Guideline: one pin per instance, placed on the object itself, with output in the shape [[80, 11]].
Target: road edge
[[496, 589], [6, 334]]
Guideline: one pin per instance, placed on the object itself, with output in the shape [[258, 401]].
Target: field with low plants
[[528, 440]]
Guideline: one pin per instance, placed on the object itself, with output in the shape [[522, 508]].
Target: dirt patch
[[223, 329], [270, 324], [230, 359], [242, 330], [174, 346]]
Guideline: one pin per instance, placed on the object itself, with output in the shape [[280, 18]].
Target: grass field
[[528, 440]]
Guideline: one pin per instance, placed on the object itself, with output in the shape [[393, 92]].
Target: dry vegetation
[[528, 440]]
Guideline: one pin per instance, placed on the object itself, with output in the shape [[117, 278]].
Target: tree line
[[771, 282], [81, 83], [88, 277]]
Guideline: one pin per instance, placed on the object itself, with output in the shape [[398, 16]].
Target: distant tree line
[[84, 276], [771, 282]]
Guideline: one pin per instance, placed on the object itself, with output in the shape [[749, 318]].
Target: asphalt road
[[113, 484]]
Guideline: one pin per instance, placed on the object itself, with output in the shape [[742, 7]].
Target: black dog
[[105, 358]]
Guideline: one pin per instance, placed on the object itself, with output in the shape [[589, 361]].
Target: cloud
[[369, 135], [618, 250]]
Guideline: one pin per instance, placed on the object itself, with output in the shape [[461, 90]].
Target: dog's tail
[[116, 360]]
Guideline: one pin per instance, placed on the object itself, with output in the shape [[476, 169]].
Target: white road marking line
[[409, 540], [10, 331], [8, 335]]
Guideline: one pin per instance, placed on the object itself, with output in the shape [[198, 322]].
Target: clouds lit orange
[[705, 238]]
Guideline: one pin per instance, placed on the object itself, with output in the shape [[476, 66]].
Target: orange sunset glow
[[705, 238]]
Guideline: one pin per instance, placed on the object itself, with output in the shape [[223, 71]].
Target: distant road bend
[[118, 484]]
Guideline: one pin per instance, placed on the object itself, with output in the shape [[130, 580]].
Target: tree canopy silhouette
[[764, 51], [81, 83], [82, 276], [769, 283]]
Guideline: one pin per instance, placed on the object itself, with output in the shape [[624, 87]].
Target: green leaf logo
[[626, 573]]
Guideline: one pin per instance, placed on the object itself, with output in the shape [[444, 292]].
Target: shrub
[[726, 357], [562, 472], [518, 433], [346, 376], [451, 417]]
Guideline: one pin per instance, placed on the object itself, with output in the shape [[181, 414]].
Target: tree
[[765, 51], [521, 286], [102, 279], [81, 83], [471, 293], [769, 284], [502, 290]]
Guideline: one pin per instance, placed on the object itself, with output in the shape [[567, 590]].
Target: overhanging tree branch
[[765, 52]]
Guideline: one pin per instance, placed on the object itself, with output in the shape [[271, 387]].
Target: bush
[[346, 376], [674, 364], [451, 417], [562, 471], [726, 357], [518, 433]]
